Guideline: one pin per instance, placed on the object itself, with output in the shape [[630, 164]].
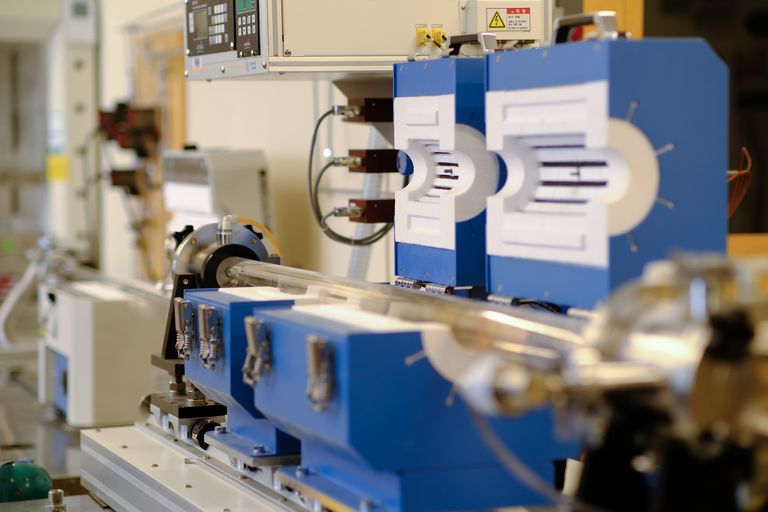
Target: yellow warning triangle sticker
[[497, 21]]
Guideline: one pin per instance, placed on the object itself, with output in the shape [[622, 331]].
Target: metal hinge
[[184, 316], [258, 360], [320, 372], [209, 328]]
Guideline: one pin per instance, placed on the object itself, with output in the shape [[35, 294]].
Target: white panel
[[553, 206], [576, 177], [453, 172], [564, 110]]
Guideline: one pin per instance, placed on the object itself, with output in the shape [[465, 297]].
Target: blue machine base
[[559, 283], [331, 478]]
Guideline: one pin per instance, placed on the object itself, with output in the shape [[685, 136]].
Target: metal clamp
[[184, 316], [320, 372], [258, 360], [209, 328], [486, 40], [604, 20]]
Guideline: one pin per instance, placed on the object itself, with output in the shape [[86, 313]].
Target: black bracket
[[168, 359]]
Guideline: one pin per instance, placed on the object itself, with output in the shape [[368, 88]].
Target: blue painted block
[[224, 383], [60, 382], [388, 433], [463, 267], [680, 90], [464, 78]]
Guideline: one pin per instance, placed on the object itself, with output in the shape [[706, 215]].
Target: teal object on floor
[[23, 481]]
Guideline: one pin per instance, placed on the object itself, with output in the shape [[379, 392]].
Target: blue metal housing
[[388, 437], [681, 89], [60, 378], [224, 383], [463, 77]]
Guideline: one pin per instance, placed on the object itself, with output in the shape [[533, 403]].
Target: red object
[[519, 10], [739, 181], [6, 283]]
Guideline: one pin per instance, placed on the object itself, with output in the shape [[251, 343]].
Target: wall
[[274, 115]]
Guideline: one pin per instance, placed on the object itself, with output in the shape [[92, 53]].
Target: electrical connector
[[375, 160], [347, 161], [347, 110], [372, 110], [422, 36], [372, 211], [347, 211], [439, 36]]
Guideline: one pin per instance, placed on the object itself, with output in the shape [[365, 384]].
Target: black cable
[[315, 200], [552, 308], [310, 167], [313, 187]]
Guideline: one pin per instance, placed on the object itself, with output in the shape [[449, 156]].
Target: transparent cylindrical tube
[[476, 325]]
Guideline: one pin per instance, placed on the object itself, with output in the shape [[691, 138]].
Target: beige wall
[[276, 116]]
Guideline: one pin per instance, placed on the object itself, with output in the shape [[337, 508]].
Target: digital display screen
[[80, 9], [201, 24], [244, 5]]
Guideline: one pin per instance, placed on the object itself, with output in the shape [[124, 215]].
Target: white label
[[513, 19]]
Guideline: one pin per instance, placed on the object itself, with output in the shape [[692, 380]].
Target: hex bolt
[[55, 501]]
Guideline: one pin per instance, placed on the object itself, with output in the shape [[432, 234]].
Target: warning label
[[514, 19], [497, 22]]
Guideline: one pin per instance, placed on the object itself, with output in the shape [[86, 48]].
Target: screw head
[[187, 51], [223, 70], [288, 53], [186, 73], [193, 241], [232, 45]]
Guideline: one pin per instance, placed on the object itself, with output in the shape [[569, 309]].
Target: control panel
[[340, 38], [209, 27], [247, 15]]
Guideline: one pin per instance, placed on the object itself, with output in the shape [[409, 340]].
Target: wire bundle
[[313, 187]]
